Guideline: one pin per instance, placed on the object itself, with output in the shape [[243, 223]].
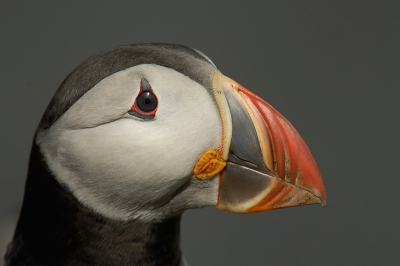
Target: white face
[[126, 167]]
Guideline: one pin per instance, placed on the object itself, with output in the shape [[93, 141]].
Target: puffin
[[134, 136]]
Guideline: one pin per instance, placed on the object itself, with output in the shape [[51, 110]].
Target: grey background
[[330, 67]]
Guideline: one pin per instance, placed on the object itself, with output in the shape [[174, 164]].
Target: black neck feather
[[55, 229]]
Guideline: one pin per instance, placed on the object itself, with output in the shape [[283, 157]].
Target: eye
[[146, 103]]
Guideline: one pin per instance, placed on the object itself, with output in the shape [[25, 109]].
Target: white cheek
[[128, 166]]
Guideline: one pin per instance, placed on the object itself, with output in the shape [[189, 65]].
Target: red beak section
[[286, 175], [294, 162]]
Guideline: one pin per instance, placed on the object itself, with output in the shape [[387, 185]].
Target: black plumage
[[55, 229], [105, 63]]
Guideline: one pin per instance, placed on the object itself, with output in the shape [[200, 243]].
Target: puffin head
[[147, 131]]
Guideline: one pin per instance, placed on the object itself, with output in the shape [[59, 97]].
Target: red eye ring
[[146, 100]]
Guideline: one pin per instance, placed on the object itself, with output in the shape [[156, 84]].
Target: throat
[[55, 229]]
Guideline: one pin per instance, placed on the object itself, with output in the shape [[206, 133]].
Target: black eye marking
[[145, 85], [146, 103]]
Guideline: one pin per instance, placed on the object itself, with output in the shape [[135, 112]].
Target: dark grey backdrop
[[331, 67]]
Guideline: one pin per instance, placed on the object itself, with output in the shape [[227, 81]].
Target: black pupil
[[146, 101]]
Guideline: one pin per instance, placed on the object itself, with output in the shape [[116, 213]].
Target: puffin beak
[[268, 166]]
